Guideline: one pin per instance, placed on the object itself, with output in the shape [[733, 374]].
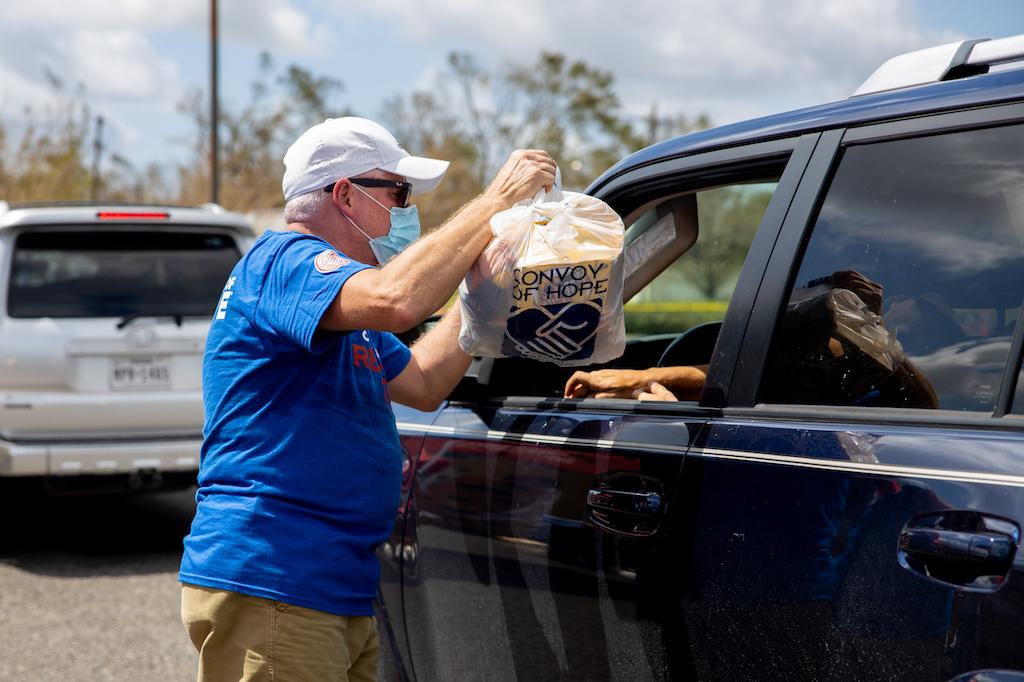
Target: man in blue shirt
[[300, 471]]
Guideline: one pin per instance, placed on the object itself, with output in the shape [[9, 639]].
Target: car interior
[[660, 231]]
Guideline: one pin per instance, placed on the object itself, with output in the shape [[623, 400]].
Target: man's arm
[[421, 279], [436, 366]]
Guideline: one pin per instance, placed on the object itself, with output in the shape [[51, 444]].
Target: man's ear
[[342, 196]]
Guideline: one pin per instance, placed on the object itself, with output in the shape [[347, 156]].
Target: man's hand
[[606, 383], [421, 279], [522, 176]]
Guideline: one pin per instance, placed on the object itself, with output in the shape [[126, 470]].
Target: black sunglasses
[[404, 188]]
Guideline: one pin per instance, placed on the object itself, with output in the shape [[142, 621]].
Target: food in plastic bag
[[549, 285], [850, 318], [832, 347], [856, 323]]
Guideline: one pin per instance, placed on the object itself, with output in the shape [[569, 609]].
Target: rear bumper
[[98, 458]]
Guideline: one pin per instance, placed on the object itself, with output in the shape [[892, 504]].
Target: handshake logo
[[556, 312], [557, 332]]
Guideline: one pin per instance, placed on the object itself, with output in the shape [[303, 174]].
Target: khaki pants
[[239, 637]]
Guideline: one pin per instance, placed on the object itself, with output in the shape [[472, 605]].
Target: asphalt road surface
[[88, 587]]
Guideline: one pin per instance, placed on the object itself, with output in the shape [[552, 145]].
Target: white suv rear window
[[118, 273]]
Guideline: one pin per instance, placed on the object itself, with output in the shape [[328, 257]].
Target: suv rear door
[[855, 512]]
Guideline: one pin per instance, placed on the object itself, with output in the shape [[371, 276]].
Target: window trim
[[778, 275], [936, 124], [631, 190], [1011, 371], [688, 408], [888, 416]]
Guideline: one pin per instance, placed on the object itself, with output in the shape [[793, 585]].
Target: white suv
[[104, 312]]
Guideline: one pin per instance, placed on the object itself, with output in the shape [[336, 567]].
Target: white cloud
[[275, 25], [507, 24], [734, 60], [24, 102], [101, 14], [124, 135], [98, 67], [272, 24], [120, 65], [128, 55], [18, 92]]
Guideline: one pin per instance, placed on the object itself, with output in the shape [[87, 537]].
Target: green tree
[[46, 159], [253, 138], [728, 219], [48, 155], [424, 125], [566, 107], [655, 127], [475, 117]]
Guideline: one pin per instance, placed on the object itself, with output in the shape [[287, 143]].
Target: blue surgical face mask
[[405, 229]]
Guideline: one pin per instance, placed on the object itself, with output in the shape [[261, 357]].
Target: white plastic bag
[[549, 285]]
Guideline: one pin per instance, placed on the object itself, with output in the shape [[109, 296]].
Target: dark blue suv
[[844, 500]]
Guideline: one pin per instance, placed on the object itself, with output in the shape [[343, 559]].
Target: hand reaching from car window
[[605, 383], [681, 383], [654, 391]]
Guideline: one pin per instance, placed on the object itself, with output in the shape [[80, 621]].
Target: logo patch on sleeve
[[329, 261]]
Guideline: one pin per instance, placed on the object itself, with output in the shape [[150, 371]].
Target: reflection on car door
[[540, 545], [839, 552], [392, 553]]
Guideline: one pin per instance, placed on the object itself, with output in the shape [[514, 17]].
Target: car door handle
[[951, 545], [648, 504], [624, 512], [979, 558]]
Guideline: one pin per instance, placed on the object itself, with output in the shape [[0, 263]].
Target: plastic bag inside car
[[549, 285], [844, 313]]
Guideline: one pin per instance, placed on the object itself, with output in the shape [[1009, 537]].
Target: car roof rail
[[90, 203], [942, 63]]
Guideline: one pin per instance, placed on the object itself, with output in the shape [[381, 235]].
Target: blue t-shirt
[[301, 464]]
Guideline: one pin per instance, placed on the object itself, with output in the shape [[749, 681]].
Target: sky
[[733, 59]]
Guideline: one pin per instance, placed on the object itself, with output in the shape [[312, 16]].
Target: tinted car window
[[118, 273], [912, 279]]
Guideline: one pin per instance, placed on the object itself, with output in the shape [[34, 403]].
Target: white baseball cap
[[347, 147]]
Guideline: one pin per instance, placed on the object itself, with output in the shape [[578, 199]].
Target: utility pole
[[214, 114], [97, 152]]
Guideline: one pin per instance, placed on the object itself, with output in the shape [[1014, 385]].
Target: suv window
[[118, 273], [696, 287], [912, 280], [684, 252]]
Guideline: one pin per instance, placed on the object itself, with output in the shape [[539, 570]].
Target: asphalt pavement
[[88, 587]]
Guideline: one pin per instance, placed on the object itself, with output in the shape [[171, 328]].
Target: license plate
[[140, 372]]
